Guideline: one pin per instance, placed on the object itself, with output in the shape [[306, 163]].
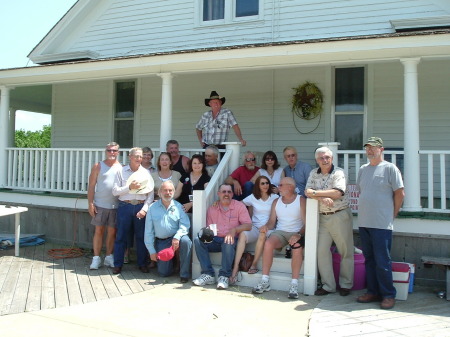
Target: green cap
[[374, 141]]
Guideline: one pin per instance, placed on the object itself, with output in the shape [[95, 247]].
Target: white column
[[333, 146], [166, 110], [12, 127], [235, 158], [411, 136], [4, 135], [310, 272]]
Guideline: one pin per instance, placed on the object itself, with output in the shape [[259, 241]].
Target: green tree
[[34, 139]]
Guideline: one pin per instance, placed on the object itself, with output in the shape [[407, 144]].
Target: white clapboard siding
[[142, 26]]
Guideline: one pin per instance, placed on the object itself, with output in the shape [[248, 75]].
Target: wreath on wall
[[307, 103]]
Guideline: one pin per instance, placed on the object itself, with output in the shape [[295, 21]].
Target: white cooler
[[401, 273]]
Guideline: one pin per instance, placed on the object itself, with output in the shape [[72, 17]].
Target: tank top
[[179, 166], [288, 215], [103, 196]]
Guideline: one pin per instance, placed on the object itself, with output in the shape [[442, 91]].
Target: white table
[[9, 210]]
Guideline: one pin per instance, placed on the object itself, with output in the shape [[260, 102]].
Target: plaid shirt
[[215, 131]]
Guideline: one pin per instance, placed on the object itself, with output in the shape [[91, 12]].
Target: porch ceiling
[[34, 98], [301, 54]]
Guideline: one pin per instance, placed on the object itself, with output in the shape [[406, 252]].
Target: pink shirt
[[236, 215]]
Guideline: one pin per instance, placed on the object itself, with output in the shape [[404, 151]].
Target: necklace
[[194, 180]]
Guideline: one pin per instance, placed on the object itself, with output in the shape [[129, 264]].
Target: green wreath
[[307, 101]]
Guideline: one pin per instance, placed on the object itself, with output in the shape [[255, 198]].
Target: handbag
[[246, 261]]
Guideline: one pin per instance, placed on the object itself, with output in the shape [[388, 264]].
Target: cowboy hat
[[214, 95], [146, 181]]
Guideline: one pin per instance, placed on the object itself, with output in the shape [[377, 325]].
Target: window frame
[[229, 14], [114, 111], [363, 112]]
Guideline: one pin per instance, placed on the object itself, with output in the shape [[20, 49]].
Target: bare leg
[[258, 249], [296, 263], [271, 243], [110, 238], [98, 240], [242, 241]]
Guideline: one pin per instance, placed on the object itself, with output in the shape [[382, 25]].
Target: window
[[349, 107], [124, 113], [227, 11]]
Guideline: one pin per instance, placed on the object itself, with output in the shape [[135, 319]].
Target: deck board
[[35, 281]]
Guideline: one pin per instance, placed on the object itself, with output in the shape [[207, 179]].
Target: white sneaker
[[222, 283], [293, 291], [261, 287], [204, 279], [96, 262], [109, 261]]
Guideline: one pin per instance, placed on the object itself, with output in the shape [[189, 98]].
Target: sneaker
[[109, 261], [96, 262], [222, 283], [204, 279], [261, 287], [293, 291], [126, 259]]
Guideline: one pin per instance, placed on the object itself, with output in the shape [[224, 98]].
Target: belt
[[133, 202], [169, 237], [329, 213]]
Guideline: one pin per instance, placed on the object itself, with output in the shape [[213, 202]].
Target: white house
[[137, 72]]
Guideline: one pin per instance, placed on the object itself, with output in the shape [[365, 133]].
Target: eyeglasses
[[112, 150], [291, 155], [324, 158], [250, 159], [264, 183], [270, 158]]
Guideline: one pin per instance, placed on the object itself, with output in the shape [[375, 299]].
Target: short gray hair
[[134, 150], [323, 149], [214, 149]]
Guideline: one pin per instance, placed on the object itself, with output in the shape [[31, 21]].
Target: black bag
[[246, 261]]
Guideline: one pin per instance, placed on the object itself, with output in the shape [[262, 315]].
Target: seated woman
[[197, 178], [270, 167], [165, 172], [259, 204]]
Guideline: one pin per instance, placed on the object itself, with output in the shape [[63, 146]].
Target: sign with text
[[353, 197]]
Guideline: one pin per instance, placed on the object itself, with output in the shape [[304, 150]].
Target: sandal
[[253, 271]]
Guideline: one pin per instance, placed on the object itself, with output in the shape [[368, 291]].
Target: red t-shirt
[[243, 174]]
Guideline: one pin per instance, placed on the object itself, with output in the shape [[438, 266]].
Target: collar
[[319, 170]]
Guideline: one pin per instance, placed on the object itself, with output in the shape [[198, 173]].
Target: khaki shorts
[[285, 236], [105, 217]]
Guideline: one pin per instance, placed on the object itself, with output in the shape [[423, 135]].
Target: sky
[[23, 24]]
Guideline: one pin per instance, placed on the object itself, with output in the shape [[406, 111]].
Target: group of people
[[264, 205]]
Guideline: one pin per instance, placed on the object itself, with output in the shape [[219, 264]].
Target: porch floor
[[35, 281]]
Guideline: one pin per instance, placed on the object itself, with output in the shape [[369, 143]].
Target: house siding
[[140, 27]]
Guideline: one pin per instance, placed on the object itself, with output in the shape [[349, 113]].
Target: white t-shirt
[[275, 178], [261, 209]]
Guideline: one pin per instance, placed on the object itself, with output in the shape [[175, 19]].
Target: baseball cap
[[166, 254], [206, 235], [374, 141]]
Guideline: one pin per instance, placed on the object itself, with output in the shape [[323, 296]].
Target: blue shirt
[[300, 174], [163, 223]]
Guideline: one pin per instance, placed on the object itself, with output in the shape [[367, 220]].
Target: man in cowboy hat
[[134, 187], [214, 125]]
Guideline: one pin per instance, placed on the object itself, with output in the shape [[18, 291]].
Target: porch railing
[[66, 170]]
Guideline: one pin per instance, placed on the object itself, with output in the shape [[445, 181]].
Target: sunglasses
[[112, 150], [250, 159], [271, 159], [291, 155], [264, 183]]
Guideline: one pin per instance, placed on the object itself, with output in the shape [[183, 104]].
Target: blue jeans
[[376, 246], [217, 245], [127, 221], [165, 268], [247, 189]]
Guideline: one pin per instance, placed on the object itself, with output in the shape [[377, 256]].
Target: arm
[[200, 136], [91, 189], [303, 214], [185, 163], [399, 194], [272, 219], [237, 131], [237, 188], [149, 236], [178, 191], [257, 174]]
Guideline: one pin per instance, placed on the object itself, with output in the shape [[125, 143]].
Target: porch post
[[12, 127], [166, 110], [4, 135], [310, 273], [411, 136]]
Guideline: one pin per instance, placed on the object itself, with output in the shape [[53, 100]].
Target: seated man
[[288, 213], [211, 159], [166, 225], [231, 218], [240, 178]]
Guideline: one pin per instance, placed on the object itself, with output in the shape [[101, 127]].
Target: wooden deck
[[34, 281]]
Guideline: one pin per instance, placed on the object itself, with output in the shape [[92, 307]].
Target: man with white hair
[[167, 227], [328, 185], [240, 178]]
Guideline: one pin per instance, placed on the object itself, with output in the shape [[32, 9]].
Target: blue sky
[[23, 24]]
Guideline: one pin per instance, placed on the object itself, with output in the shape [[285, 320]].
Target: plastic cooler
[[401, 273], [359, 279]]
